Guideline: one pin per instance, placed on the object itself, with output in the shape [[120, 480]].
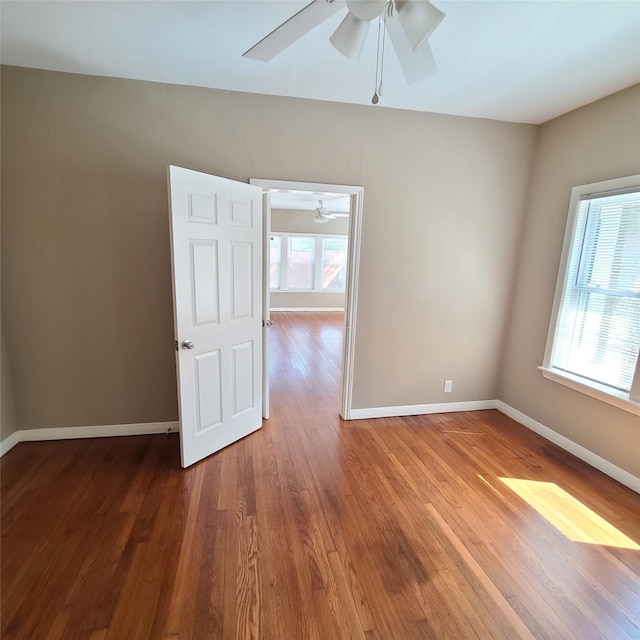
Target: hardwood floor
[[313, 528]]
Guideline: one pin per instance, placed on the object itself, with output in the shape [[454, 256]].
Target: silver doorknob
[[187, 344]]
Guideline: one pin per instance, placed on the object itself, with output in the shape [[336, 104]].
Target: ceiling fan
[[323, 215], [409, 24]]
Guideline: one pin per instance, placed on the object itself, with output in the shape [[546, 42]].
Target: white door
[[216, 252], [266, 300]]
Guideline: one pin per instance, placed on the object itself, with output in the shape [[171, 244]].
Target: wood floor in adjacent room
[[441, 526]]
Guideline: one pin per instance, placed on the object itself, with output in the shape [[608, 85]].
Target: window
[[595, 338], [301, 263], [308, 262], [275, 256], [334, 264]]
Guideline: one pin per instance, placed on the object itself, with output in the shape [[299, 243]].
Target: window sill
[[342, 291], [599, 392]]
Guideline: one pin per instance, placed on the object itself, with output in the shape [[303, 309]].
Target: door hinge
[[177, 347]]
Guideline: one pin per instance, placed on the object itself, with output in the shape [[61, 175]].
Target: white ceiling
[[521, 61], [310, 200]]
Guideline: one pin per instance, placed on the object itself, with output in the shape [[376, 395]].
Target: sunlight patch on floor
[[572, 518]]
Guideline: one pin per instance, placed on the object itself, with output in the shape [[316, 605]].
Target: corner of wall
[[598, 141], [524, 217], [8, 423]]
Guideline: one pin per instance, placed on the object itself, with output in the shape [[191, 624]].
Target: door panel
[[241, 280], [242, 362], [208, 379], [242, 213], [201, 206], [206, 301], [216, 246]]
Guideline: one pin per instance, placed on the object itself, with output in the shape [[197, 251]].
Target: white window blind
[[597, 336]]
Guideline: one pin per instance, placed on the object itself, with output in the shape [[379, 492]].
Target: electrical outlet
[[448, 386]]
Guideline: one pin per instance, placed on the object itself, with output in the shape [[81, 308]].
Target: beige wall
[[443, 209], [86, 269], [285, 220], [7, 408], [299, 300], [597, 142], [289, 221]]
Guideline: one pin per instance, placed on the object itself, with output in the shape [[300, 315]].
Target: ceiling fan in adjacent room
[[323, 215], [409, 24]]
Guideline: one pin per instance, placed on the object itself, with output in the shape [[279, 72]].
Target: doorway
[[309, 275], [305, 363]]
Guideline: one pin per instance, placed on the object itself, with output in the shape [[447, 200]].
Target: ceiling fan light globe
[[418, 19], [366, 9], [350, 35]]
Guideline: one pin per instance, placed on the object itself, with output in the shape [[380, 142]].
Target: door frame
[[266, 301], [353, 272]]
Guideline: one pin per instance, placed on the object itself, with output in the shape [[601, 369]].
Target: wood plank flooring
[[313, 528]]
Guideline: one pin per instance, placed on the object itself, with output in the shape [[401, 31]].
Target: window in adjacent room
[[301, 264], [275, 261], [308, 262], [334, 264], [594, 338]]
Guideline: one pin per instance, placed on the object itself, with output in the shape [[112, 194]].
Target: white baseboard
[[9, 442], [608, 468], [147, 428], [420, 409], [307, 309], [101, 431]]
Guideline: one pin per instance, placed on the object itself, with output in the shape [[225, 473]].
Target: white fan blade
[[416, 65], [293, 29]]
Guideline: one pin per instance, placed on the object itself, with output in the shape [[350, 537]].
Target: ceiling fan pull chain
[[384, 39], [376, 96]]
